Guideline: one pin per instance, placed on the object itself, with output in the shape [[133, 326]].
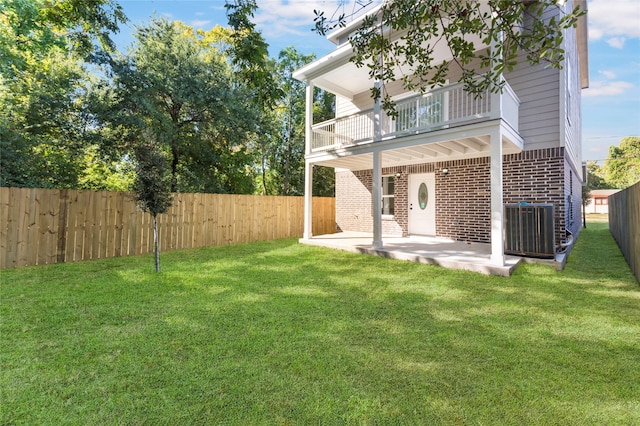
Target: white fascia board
[[583, 45], [327, 63], [339, 33]]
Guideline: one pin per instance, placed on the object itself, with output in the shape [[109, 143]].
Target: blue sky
[[610, 106]]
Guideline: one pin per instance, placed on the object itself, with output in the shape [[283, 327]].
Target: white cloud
[[610, 75], [286, 18], [607, 88], [614, 18], [616, 42], [199, 23]]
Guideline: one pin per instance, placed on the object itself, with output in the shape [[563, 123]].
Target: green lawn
[[280, 333]]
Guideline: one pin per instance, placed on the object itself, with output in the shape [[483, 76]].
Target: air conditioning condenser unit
[[529, 230]]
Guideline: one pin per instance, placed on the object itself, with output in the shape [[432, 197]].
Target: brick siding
[[537, 176], [463, 197]]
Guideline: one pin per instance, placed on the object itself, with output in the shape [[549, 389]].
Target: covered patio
[[443, 252], [441, 125]]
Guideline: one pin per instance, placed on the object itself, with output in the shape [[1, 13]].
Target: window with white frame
[[388, 187]]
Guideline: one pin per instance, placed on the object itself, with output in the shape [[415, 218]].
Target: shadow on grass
[[281, 333]]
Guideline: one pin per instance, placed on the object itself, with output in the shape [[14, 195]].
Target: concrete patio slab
[[443, 252]]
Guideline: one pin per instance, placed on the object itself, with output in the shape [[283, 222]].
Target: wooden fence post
[[62, 225]]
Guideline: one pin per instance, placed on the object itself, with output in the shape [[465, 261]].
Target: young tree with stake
[[152, 184]]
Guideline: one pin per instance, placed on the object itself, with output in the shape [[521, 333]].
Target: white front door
[[422, 204]]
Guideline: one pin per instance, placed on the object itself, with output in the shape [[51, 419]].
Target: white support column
[[377, 174], [308, 167], [308, 132], [308, 200], [376, 198], [497, 212]]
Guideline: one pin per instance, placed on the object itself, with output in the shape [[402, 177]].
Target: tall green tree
[[282, 146], [44, 47], [595, 180], [175, 83], [280, 138], [249, 52], [419, 28], [596, 177], [286, 162], [622, 167], [249, 56]]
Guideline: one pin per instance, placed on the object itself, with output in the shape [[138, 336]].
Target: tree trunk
[[155, 242], [287, 173], [264, 174], [174, 168], [288, 152]]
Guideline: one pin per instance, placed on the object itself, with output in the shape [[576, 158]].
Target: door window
[[423, 196]]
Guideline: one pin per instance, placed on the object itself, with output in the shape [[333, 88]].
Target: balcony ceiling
[[336, 74], [457, 144]]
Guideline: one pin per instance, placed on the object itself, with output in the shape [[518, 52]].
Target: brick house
[[447, 164]]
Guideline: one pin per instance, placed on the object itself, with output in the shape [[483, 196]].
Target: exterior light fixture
[[445, 171]]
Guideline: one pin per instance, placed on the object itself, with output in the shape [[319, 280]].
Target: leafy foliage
[[595, 180], [175, 83], [43, 86], [100, 173], [400, 41], [249, 51], [153, 180], [595, 176], [220, 110], [281, 142], [286, 160], [622, 168]]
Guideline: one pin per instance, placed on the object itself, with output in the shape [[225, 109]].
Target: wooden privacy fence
[[624, 224], [44, 226]]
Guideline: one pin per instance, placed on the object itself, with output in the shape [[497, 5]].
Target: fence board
[[109, 224], [74, 243], [4, 219], [41, 226], [21, 237], [45, 217], [101, 208], [624, 224], [117, 225]]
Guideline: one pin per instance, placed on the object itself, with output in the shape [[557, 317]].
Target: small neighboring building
[[599, 200]]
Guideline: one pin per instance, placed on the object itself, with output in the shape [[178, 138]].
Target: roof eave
[[583, 45], [332, 60]]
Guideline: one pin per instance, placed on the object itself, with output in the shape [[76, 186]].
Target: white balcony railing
[[439, 109]]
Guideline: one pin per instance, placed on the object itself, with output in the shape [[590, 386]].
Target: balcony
[[442, 108]]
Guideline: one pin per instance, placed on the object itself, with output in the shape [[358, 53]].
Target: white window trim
[[388, 216]]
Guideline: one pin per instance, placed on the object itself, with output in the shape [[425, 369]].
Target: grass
[[280, 333]]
